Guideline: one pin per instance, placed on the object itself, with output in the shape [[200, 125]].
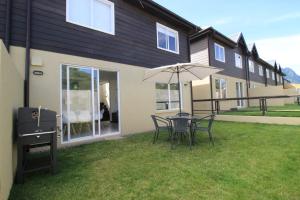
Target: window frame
[[260, 70], [251, 67], [226, 87], [158, 25], [215, 49], [169, 99], [113, 23], [241, 60]]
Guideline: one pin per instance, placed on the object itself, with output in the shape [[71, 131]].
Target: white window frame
[[167, 29], [111, 4], [226, 84], [221, 47], [169, 97], [273, 76], [261, 70], [268, 73], [251, 67], [240, 63]]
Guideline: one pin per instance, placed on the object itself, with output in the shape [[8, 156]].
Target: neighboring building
[[243, 69], [89, 67]]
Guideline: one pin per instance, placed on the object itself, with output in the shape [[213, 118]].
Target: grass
[[289, 110], [248, 161]]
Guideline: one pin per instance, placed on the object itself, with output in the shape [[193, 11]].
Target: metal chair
[[161, 124], [183, 114], [196, 126], [181, 127]]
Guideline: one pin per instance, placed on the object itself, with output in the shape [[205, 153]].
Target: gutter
[[7, 24], [27, 54]]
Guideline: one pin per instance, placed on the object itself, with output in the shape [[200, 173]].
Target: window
[[273, 76], [261, 71], [268, 73], [238, 61], [167, 39], [221, 88], [277, 77], [94, 14], [167, 96], [251, 66], [219, 53]]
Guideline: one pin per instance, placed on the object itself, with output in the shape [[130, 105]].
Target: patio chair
[[161, 124], [181, 127], [196, 125], [183, 114]]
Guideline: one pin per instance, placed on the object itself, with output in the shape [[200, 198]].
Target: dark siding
[[2, 18], [255, 77], [134, 42], [270, 81], [229, 65]]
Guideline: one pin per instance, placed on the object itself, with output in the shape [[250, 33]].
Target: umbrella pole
[[178, 84]]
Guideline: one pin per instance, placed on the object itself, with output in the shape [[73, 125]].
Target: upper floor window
[[251, 66], [167, 38], [268, 73], [167, 96], [219, 52], [221, 88], [261, 71], [273, 76], [94, 14], [238, 60]]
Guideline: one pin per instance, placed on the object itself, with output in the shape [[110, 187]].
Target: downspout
[[265, 76], [247, 78], [27, 55], [210, 77], [7, 24]]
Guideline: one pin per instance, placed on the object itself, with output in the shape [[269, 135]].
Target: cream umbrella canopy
[[180, 72]]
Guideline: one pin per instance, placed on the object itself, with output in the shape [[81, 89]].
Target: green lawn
[[248, 161], [289, 110]]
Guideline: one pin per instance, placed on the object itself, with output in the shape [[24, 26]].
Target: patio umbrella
[[180, 72]]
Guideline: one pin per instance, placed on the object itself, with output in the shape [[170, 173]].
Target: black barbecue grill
[[36, 127]]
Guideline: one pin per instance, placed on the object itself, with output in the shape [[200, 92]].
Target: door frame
[[94, 136], [241, 93]]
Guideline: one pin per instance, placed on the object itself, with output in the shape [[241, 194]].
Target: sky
[[274, 25]]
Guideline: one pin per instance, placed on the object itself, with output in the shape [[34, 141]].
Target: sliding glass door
[[89, 103], [80, 103], [239, 94]]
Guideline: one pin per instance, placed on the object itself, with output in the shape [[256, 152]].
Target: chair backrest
[[183, 114], [180, 124]]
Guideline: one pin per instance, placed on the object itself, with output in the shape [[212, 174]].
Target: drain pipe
[[27, 55], [7, 24]]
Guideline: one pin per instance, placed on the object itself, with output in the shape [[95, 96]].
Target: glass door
[[240, 94], [80, 103]]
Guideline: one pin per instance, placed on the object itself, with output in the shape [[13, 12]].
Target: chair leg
[[157, 134], [154, 137], [211, 138], [190, 139], [172, 139]]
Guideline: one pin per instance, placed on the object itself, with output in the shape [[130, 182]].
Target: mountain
[[291, 75]]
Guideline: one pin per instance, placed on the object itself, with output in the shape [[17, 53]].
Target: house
[[243, 70], [89, 67]]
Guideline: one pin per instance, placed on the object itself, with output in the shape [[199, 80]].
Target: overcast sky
[[274, 25]]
